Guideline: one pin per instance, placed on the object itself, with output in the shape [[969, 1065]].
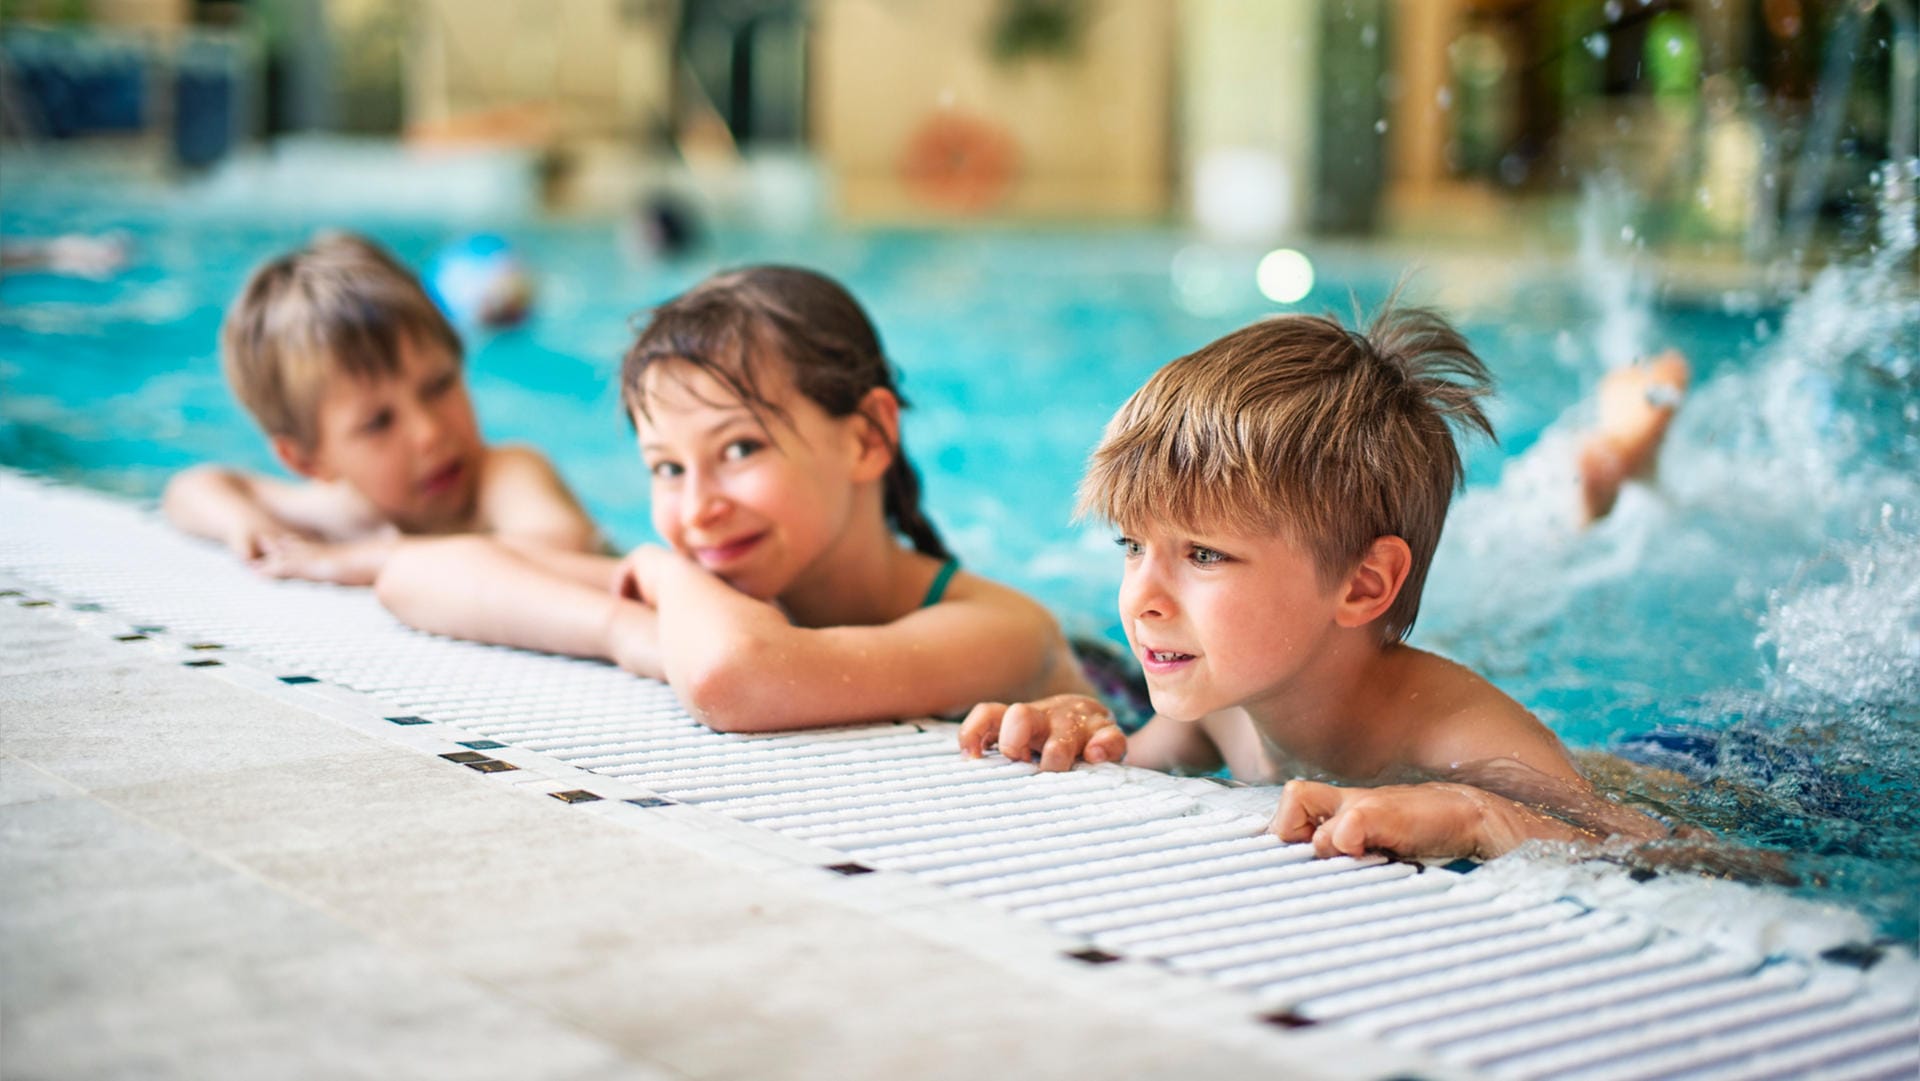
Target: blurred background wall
[[1251, 119]]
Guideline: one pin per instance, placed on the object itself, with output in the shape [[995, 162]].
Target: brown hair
[[1298, 424], [340, 304], [732, 323]]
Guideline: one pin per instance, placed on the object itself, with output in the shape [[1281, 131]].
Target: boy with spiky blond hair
[[1279, 495], [355, 376]]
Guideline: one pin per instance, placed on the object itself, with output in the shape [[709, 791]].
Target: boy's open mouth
[[1163, 660], [444, 478]]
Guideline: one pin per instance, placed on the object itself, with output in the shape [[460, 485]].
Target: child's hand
[[353, 564], [251, 540], [1435, 820], [634, 577], [1062, 728]]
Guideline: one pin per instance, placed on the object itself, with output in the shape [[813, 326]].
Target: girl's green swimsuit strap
[[939, 587]]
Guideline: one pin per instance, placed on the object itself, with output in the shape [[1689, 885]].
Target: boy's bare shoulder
[[1464, 718], [516, 459], [521, 494]]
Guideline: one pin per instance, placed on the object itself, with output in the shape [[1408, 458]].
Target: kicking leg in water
[[1637, 403]]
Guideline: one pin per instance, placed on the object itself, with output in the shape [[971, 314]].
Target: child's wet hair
[[734, 324], [1299, 425], [340, 304]]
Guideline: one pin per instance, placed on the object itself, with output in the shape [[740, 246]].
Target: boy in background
[[355, 377], [1280, 494]]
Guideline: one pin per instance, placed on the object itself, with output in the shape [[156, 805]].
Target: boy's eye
[[378, 423], [1206, 556], [740, 448], [1128, 545], [440, 384], [665, 470]]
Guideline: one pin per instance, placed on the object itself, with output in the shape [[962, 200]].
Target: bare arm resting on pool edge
[[520, 595], [740, 664]]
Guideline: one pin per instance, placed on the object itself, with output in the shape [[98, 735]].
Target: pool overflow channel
[[1179, 874]]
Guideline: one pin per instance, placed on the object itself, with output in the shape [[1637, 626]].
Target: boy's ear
[[878, 435], [1374, 583], [299, 459]]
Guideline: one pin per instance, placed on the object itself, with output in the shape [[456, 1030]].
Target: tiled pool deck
[[212, 866]]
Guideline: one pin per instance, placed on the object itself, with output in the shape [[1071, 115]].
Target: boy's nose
[[1142, 595], [423, 426]]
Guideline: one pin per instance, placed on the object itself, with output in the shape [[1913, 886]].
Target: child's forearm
[[473, 588], [215, 503], [631, 638]]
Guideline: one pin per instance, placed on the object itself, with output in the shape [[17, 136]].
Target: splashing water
[[1856, 640], [1611, 274], [1781, 538]]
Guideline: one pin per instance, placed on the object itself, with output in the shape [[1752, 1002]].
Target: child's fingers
[[1109, 744], [1022, 728], [1350, 832], [979, 730], [1304, 805], [1057, 755]]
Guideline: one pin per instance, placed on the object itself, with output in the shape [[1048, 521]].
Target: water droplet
[[1380, 126], [1444, 98], [1596, 44], [1611, 9]]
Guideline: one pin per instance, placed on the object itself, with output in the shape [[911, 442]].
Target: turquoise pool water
[[1768, 587]]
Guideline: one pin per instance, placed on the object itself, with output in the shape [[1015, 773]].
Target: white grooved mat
[[1476, 972]]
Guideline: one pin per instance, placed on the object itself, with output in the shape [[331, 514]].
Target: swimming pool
[[1769, 587]]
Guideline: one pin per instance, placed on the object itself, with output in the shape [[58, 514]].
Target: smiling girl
[[801, 584]]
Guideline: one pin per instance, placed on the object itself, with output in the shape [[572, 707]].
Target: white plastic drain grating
[[1484, 981]]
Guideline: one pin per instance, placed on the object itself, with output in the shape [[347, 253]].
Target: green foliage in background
[[1038, 28]]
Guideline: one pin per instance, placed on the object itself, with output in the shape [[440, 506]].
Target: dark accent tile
[[130, 638], [205, 647], [1093, 956], [150, 628], [205, 662], [1287, 1019], [650, 801], [295, 681], [1461, 866], [11, 593], [482, 744], [1854, 955], [849, 869], [409, 720], [36, 604], [88, 606], [574, 795], [464, 757], [1643, 874], [492, 765]]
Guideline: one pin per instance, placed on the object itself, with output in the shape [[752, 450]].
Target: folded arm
[[239, 509], [526, 596], [740, 665]]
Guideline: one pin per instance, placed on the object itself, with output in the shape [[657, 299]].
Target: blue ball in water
[[479, 281]]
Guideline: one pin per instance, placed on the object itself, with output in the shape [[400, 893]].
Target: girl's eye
[[439, 385], [740, 448], [378, 423], [1206, 557], [665, 470], [1128, 545]]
